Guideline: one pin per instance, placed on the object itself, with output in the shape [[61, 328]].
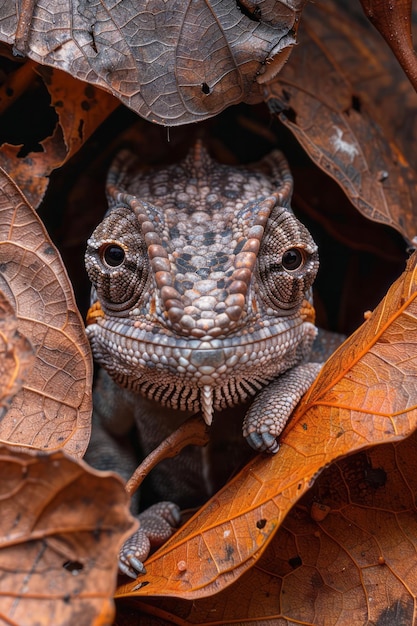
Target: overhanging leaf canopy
[[172, 62]]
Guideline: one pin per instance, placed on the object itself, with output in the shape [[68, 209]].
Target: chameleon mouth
[[194, 385], [196, 375]]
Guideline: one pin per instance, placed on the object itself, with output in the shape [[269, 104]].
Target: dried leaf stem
[[192, 432]]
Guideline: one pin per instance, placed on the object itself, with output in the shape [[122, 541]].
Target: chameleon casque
[[202, 281]]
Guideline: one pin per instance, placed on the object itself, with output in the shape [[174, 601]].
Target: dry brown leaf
[[378, 81], [365, 395], [53, 408], [341, 122], [16, 355], [62, 525], [171, 63], [393, 20], [346, 554], [80, 108]]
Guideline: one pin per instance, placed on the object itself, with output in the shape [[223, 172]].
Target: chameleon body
[[202, 281]]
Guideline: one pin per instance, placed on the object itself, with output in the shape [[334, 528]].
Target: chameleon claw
[[131, 567], [263, 442], [157, 524], [273, 406], [133, 552]]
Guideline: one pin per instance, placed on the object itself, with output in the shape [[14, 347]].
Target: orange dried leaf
[[356, 564], [53, 408], [365, 395], [80, 107], [62, 525]]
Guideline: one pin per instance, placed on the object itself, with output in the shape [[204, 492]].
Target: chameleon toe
[[262, 442]]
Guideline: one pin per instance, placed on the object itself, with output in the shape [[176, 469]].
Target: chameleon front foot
[[157, 524], [262, 441], [273, 406]]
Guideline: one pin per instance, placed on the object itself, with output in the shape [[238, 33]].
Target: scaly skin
[[200, 314], [203, 280]]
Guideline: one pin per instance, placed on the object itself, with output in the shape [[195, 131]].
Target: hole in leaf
[[261, 523], [29, 120], [81, 129], [73, 566], [250, 9], [93, 40], [205, 89], [295, 562], [356, 104], [290, 115]]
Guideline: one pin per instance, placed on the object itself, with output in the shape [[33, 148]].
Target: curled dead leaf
[[62, 525], [393, 20], [332, 95], [357, 564], [53, 408], [172, 64], [80, 109]]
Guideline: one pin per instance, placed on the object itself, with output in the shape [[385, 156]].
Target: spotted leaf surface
[[62, 525], [346, 551]]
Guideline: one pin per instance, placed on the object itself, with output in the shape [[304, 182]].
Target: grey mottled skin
[[203, 277]]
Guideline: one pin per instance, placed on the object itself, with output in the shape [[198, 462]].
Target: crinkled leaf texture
[[345, 554], [340, 95], [61, 527], [172, 62], [365, 395], [52, 409]]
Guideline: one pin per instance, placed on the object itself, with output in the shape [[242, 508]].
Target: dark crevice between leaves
[[250, 9], [29, 121]]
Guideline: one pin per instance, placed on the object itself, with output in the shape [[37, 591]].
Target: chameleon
[[201, 302]]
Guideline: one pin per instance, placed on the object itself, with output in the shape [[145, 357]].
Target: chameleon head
[[201, 280]]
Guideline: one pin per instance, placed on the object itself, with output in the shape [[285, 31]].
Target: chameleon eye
[[112, 255], [292, 259]]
